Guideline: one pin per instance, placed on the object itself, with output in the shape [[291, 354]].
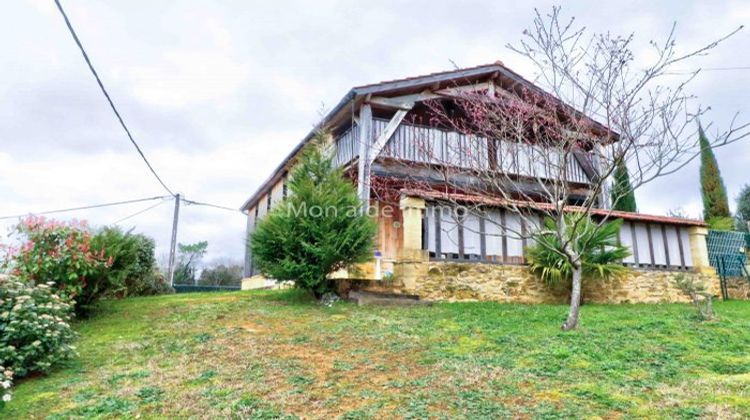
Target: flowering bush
[[34, 329], [6, 381], [59, 252]]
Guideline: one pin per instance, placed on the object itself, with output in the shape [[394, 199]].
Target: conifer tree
[[713, 191], [318, 229], [743, 209], [623, 197]]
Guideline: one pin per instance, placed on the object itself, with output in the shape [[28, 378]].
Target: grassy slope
[[267, 354]]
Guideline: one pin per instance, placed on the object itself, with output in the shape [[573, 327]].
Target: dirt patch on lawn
[[311, 379]]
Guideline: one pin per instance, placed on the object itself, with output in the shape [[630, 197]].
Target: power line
[[153, 206], [198, 203], [701, 70], [106, 95], [93, 206], [725, 68]]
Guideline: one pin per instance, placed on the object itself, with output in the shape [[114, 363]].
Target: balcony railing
[[422, 144], [347, 146]]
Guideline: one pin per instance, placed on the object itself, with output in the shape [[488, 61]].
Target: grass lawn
[[278, 354]]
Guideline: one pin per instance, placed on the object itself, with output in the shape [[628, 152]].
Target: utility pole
[[173, 244]]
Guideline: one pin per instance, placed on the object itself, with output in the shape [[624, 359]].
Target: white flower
[[6, 384], [6, 397]]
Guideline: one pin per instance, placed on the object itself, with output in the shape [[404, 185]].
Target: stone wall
[[504, 283], [450, 281], [646, 286], [738, 288]]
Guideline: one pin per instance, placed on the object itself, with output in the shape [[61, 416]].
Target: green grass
[[278, 354]]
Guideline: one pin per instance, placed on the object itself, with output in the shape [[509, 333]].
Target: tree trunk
[[575, 301]]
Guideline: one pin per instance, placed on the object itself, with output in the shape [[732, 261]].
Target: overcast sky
[[217, 93]]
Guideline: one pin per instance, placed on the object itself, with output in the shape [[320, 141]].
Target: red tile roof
[[495, 201]]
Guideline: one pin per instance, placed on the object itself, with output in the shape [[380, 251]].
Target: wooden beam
[[407, 101], [482, 238], [666, 243], [404, 101], [679, 244], [460, 225], [504, 237], [425, 230], [396, 103], [634, 244], [584, 160], [650, 244], [438, 213], [453, 91], [382, 139], [363, 169], [491, 88]]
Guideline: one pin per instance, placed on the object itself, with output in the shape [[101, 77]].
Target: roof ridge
[[437, 73]]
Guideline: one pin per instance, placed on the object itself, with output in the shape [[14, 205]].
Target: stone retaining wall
[[450, 281], [738, 288]]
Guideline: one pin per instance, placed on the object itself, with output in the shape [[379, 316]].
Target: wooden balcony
[[347, 146], [429, 145]]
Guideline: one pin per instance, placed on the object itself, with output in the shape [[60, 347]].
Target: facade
[[382, 138]]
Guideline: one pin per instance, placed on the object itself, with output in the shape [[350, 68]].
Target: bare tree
[[550, 153]]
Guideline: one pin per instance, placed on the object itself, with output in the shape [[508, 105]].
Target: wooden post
[[369, 148], [363, 166], [605, 194]]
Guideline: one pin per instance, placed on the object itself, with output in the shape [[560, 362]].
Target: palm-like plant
[[601, 254]]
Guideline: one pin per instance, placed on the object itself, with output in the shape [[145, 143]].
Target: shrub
[[317, 230], [222, 275], [57, 252], [701, 299], [601, 255], [743, 208], [34, 329], [6, 382], [721, 223], [132, 270]]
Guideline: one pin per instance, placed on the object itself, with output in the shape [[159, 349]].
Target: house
[[382, 135]]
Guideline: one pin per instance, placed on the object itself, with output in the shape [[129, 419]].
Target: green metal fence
[[726, 252], [189, 288]]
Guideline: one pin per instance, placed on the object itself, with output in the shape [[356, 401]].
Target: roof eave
[[265, 185]]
